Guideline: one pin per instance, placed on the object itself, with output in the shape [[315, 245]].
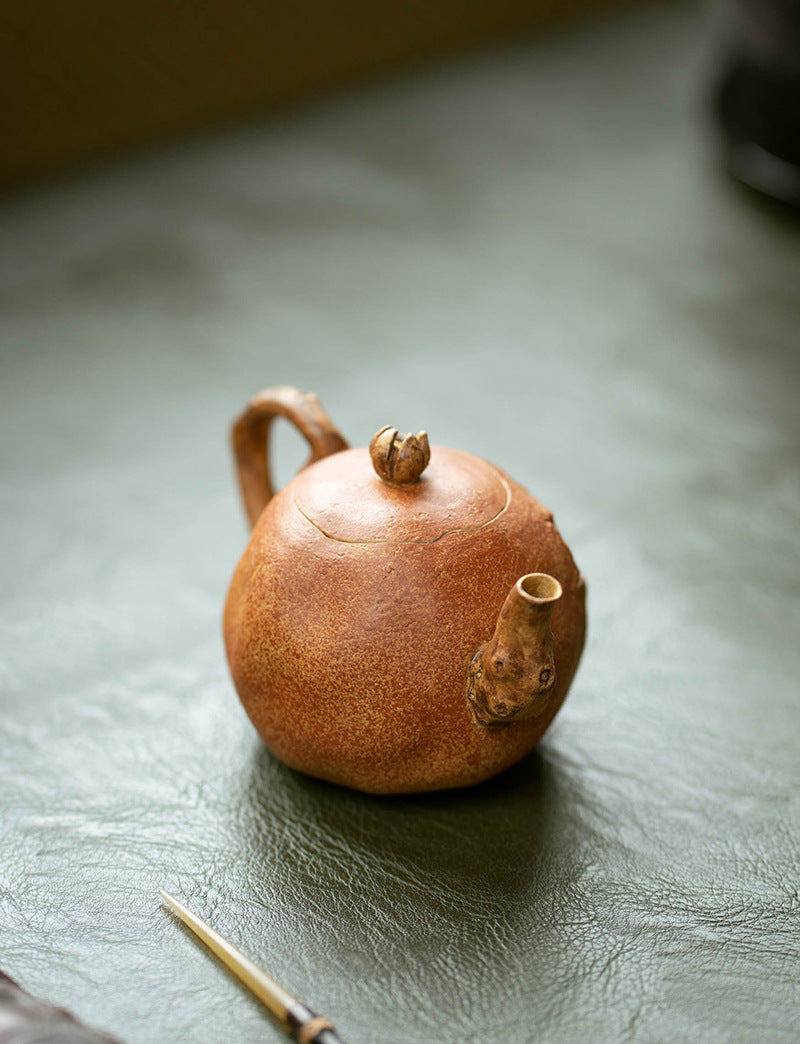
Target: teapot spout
[[511, 676]]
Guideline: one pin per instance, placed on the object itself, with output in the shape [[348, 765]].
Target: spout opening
[[539, 588]]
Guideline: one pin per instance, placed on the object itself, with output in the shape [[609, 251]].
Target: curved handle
[[250, 437]]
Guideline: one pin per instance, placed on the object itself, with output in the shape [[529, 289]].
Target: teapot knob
[[399, 459]]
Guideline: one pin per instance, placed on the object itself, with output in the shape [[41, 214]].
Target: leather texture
[[530, 254]]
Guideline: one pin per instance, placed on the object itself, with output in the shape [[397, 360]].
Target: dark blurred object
[[758, 98], [84, 79], [26, 1020]]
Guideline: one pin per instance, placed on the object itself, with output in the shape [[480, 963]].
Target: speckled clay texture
[[356, 608]]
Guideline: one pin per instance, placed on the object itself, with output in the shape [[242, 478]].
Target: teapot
[[405, 617]]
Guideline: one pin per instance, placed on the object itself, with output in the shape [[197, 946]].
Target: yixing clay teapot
[[404, 618]]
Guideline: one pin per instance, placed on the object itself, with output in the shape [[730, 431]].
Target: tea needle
[[298, 1020]]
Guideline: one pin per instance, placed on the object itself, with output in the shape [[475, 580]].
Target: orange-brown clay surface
[[357, 606]]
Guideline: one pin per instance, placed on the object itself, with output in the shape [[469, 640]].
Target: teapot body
[[350, 642]]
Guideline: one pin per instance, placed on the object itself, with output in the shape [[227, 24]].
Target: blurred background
[[86, 79], [512, 224]]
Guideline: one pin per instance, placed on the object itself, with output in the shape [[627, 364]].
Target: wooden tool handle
[[308, 1028]]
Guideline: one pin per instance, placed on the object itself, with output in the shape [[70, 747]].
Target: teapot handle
[[250, 437]]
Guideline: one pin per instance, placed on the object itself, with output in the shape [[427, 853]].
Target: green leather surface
[[531, 254]]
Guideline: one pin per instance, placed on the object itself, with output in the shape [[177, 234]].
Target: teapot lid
[[349, 497]]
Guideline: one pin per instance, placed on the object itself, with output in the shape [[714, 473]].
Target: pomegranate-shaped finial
[[399, 459]]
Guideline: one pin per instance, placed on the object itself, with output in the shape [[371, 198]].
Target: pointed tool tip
[[278, 1000]]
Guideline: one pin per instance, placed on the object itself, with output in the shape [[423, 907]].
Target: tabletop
[[531, 253]]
